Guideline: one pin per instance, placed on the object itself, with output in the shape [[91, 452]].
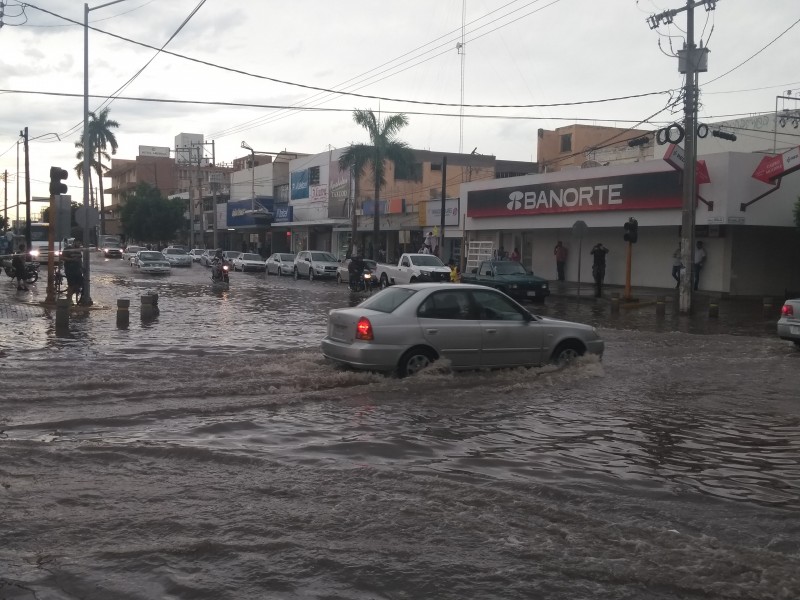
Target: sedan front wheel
[[566, 352]]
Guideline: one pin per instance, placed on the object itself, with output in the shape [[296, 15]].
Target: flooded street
[[212, 453]]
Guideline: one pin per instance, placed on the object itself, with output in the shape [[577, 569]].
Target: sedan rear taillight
[[364, 329], [787, 310]]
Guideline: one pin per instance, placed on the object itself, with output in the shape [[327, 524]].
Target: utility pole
[[5, 196], [444, 196], [24, 134], [691, 61]]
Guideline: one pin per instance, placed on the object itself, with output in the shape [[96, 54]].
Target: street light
[[246, 146], [87, 297]]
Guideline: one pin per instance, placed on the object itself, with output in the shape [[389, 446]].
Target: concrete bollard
[[62, 313], [123, 312], [149, 306], [615, 302], [713, 309], [661, 306], [767, 306]]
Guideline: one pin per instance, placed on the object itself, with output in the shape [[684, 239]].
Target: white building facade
[[747, 226]]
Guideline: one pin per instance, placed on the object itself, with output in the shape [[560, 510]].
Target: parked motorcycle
[[31, 272]]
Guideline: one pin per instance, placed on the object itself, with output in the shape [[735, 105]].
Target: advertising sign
[[339, 191], [676, 157], [299, 183], [243, 213], [433, 213], [154, 151], [283, 213], [368, 206], [773, 167], [642, 191]]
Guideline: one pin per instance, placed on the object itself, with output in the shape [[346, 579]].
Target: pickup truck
[[511, 278], [412, 268]]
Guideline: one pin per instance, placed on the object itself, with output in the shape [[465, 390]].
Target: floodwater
[[212, 453]]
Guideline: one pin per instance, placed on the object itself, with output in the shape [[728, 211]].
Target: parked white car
[[196, 254], [280, 263], [248, 262], [130, 252], [315, 265]]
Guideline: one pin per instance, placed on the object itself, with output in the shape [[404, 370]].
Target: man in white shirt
[[699, 261]]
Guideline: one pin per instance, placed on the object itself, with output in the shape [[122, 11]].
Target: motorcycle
[[365, 282], [220, 274], [31, 272]]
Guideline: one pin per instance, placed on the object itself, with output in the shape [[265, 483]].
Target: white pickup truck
[[412, 268]]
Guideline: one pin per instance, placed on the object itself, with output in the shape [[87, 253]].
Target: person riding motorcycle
[[355, 271], [217, 267]]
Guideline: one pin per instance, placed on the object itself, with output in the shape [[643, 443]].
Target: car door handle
[[433, 331], [491, 330]]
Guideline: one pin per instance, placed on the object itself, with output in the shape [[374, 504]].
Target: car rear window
[[251, 257], [388, 300], [289, 257]]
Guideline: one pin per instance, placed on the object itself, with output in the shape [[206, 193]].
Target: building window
[[435, 167], [313, 176], [410, 173], [566, 142]]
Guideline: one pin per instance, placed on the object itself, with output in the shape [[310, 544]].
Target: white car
[[130, 252], [315, 265], [789, 323], [177, 257], [196, 254], [280, 263], [151, 261], [248, 262]]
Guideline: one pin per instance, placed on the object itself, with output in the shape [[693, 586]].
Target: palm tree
[[100, 139], [383, 146]]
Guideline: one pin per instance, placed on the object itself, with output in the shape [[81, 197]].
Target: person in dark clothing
[[18, 262], [73, 269], [355, 270], [599, 268]]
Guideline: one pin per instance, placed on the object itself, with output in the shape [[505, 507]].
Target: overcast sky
[[524, 52]]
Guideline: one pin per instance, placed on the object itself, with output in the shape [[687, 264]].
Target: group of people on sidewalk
[[72, 259], [599, 252]]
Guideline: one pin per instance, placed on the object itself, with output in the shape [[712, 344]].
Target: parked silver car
[[789, 323], [247, 261], [315, 265], [280, 263], [405, 328]]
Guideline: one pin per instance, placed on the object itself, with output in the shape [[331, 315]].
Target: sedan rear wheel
[[566, 352], [384, 281], [414, 360], [296, 274]]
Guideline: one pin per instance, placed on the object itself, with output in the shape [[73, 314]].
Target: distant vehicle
[[111, 250], [511, 278], [131, 251], [177, 257], [151, 261], [412, 268], [405, 328], [280, 263], [40, 239], [207, 257], [229, 255], [102, 240], [247, 261], [789, 323], [196, 253], [315, 265]]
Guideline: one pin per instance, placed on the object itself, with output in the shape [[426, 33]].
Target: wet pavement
[[212, 453]]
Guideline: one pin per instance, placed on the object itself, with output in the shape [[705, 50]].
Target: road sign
[[80, 217]]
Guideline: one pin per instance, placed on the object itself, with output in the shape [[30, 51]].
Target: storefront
[[248, 223], [746, 224]]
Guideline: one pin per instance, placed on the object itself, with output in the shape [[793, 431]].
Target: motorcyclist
[[355, 270], [217, 264]]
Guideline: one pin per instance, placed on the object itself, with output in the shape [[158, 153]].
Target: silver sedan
[[405, 328], [789, 323], [280, 263]]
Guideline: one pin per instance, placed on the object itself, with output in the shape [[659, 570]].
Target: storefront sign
[[162, 151], [299, 182], [283, 213], [339, 191], [433, 212], [773, 167], [246, 213], [676, 157], [622, 192]]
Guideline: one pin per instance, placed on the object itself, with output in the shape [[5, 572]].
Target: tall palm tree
[[100, 139], [383, 146]]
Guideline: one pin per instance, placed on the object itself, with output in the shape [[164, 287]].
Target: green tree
[[383, 146], [101, 138], [149, 217]]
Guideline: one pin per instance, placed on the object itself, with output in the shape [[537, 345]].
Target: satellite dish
[[590, 163]]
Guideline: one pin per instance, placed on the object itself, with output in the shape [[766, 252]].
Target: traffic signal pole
[[628, 261]]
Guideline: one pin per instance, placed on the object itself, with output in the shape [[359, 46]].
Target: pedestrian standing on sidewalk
[[599, 268], [73, 269], [18, 262], [561, 259], [677, 265], [699, 261]]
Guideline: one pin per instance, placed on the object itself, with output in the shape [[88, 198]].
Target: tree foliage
[[149, 217], [100, 139], [383, 146]]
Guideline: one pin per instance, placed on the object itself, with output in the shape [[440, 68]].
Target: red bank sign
[[774, 167], [643, 191]]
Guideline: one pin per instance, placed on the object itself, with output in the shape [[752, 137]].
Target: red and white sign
[[774, 167], [676, 157]]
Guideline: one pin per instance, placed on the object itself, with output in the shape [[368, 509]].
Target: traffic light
[[631, 230], [56, 187]]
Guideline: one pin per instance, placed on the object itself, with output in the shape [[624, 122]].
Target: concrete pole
[[689, 169], [444, 198]]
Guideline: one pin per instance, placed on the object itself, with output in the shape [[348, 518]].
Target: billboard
[[639, 191], [283, 213], [246, 213], [299, 183], [339, 192], [432, 215], [154, 151]]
